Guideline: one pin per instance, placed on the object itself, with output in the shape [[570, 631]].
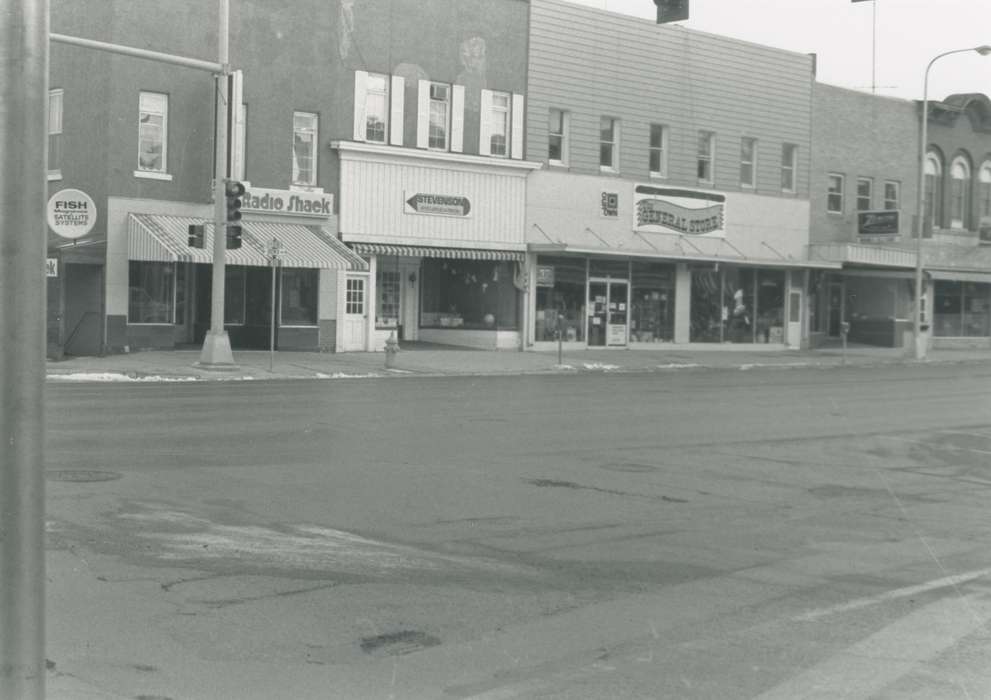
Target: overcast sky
[[909, 34]]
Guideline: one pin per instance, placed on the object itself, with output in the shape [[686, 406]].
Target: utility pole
[[23, 242]]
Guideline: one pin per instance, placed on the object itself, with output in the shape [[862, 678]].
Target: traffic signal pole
[[23, 190]]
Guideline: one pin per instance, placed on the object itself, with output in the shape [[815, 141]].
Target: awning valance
[[164, 238], [961, 276], [432, 252]]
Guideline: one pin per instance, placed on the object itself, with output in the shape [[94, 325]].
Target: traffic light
[[233, 190], [196, 235], [671, 10]]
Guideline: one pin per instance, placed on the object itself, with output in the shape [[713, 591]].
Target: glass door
[[598, 305], [618, 313]]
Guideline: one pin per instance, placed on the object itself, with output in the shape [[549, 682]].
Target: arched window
[[984, 191], [959, 193], [934, 192]]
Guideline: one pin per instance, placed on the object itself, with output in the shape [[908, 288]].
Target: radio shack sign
[[71, 213], [291, 202], [672, 210], [436, 204]]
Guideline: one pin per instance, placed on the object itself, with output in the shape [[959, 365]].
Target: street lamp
[[920, 347]]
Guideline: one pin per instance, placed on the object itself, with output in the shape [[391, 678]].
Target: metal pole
[[137, 53], [271, 333], [23, 188], [217, 345], [920, 346]]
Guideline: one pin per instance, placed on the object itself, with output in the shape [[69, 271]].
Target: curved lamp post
[[920, 347]]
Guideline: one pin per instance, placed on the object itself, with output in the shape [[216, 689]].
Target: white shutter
[[517, 127], [398, 94], [458, 118], [360, 95], [423, 114], [485, 124]]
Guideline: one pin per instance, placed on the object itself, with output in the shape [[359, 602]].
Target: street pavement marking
[[942, 447], [954, 580], [867, 667]]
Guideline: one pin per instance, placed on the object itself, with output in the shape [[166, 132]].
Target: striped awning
[[164, 238], [411, 251]]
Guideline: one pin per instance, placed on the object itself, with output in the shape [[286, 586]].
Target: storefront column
[[528, 328], [371, 303], [682, 304]]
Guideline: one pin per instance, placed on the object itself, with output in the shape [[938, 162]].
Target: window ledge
[[152, 175], [54, 175], [658, 176], [606, 170]]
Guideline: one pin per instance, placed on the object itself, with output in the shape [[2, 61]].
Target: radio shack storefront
[[684, 273], [159, 287]]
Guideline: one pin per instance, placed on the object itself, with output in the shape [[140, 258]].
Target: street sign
[[71, 213]]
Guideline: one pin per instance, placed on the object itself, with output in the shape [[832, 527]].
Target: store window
[[55, 101], [705, 159], [770, 306], [304, 149], [834, 194], [789, 166], [557, 137], [817, 300], [560, 284], [234, 295], [737, 305], [658, 152], [471, 294], [748, 162], [959, 193], [962, 309], [387, 304], [299, 297], [153, 112], [865, 189], [151, 292], [608, 143], [652, 302]]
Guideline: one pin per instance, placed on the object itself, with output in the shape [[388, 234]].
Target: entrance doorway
[[608, 312], [355, 315], [835, 309], [83, 309]]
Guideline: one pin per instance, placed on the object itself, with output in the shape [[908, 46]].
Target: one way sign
[[437, 204]]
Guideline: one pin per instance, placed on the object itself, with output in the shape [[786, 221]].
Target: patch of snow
[[345, 375], [565, 367], [679, 365], [600, 365], [116, 377]]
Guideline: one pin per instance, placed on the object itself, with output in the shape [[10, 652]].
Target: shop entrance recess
[[835, 309], [608, 312]]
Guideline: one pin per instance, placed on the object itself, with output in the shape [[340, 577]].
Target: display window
[[652, 302], [962, 309], [299, 297], [469, 294], [560, 299], [737, 305], [151, 292]]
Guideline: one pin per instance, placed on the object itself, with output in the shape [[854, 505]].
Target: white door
[[794, 328], [355, 314]]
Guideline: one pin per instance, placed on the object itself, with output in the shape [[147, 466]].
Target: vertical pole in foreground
[[217, 345], [23, 147]]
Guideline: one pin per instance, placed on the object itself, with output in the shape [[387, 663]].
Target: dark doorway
[[83, 309]]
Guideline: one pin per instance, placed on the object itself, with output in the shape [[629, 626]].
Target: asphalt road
[[720, 534]]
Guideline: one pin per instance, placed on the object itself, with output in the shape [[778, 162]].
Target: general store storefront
[[158, 287], [623, 264], [443, 237]]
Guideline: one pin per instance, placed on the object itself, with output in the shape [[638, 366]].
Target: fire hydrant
[[391, 350]]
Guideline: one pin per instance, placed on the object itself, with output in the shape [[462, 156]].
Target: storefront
[[961, 307], [638, 265], [158, 289], [443, 237]]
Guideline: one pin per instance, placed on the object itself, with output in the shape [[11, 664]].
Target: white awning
[[165, 238], [431, 252], [960, 276]]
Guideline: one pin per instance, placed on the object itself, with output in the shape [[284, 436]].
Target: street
[[773, 533]]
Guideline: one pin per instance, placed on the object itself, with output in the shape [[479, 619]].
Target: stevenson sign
[[674, 210], [436, 204]]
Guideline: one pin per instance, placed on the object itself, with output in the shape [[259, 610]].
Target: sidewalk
[[252, 365]]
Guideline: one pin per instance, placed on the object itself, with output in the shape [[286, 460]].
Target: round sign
[[71, 213]]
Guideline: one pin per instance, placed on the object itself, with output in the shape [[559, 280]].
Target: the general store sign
[[673, 210], [436, 204], [291, 202]]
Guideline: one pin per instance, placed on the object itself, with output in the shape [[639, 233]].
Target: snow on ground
[[600, 365], [116, 377]]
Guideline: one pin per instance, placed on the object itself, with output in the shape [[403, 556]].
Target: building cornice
[[356, 150]]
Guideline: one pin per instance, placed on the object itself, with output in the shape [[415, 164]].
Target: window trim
[[613, 166], [386, 106], [869, 181], [961, 223], [933, 162], [839, 193], [164, 135], [364, 295], [752, 185], [565, 124], [984, 191], [315, 129], [790, 167], [448, 110], [662, 150], [709, 157], [897, 198]]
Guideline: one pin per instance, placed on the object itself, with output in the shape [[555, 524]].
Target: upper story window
[[933, 214], [379, 101], [304, 149], [748, 162], [892, 195], [705, 161], [789, 166], [834, 193], [658, 151], [499, 121], [376, 108], [153, 115], [608, 143], [557, 136], [984, 191], [865, 191], [959, 193], [55, 133], [440, 116]]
